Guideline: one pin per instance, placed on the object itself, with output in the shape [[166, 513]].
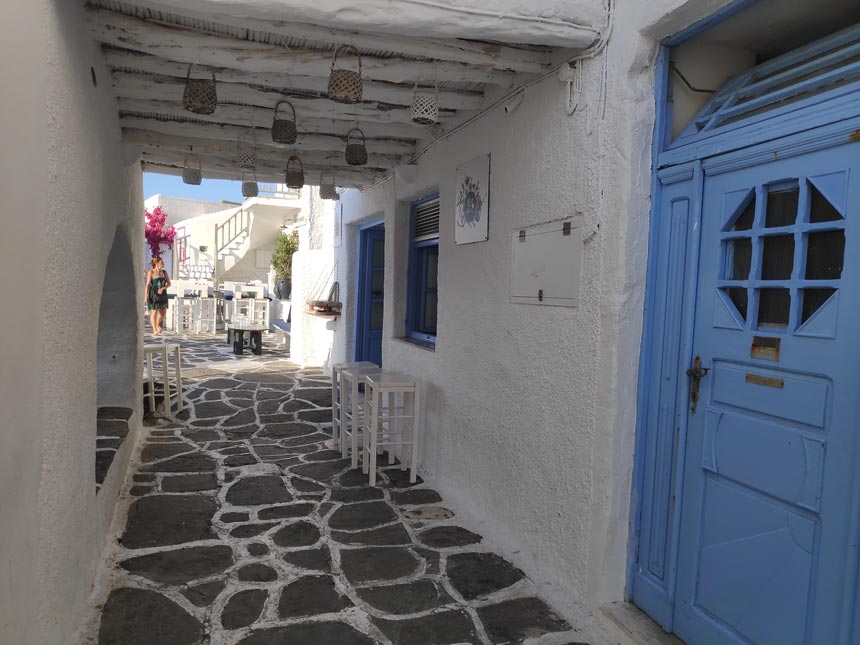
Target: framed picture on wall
[[472, 201], [338, 224]]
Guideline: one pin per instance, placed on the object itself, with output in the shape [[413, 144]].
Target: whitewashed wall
[[70, 187], [530, 410]]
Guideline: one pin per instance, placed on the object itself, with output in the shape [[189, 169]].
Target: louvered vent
[[427, 220]]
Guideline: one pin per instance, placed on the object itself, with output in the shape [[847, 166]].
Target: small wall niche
[[546, 263]]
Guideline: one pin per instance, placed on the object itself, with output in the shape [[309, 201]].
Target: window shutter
[[426, 222]]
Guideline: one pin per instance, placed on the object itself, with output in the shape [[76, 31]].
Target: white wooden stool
[[392, 422], [336, 369], [352, 409], [207, 319], [163, 350], [185, 314]]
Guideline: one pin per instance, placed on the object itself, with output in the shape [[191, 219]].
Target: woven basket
[[246, 152], [250, 188], [294, 175], [199, 96], [356, 152], [327, 188], [425, 107], [284, 130], [192, 176], [344, 85]]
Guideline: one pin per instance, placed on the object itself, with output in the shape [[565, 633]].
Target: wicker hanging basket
[[250, 188], [284, 130], [246, 151], [425, 107], [294, 175], [192, 176], [199, 96], [356, 151], [327, 187], [344, 85]]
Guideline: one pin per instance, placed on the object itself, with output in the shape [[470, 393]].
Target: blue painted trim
[[377, 222], [731, 9], [414, 306]]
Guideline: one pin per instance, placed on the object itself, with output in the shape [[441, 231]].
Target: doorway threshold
[[637, 625]]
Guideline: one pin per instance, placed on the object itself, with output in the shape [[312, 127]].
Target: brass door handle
[[696, 374]]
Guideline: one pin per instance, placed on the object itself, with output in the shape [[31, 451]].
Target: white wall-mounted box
[[546, 263]]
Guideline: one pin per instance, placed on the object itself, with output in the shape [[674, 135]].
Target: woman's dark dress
[[157, 301]]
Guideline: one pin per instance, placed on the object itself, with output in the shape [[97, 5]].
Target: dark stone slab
[[212, 409], [234, 517], [416, 497], [181, 566], [400, 479], [290, 511], [513, 621], [275, 378], [193, 463], [287, 430], [408, 598], [442, 628], [393, 535], [212, 396], [311, 596], [297, 534], [477, 574], [143, 477], [322, 415], [240, 460], [104, 458], [268, 407], [316, 559], [114, 413], [258, 549], [321, 472], [431, 559], [202, 436], [251, 530], [318, 396], [220, 384], [267, 395], [271, 449], [257, 573], [141, 617], [377, 563], [205, 594], [241, 419], [316, 439], [162, 520], [188, 483], [354, 517], [310, 634], [109, 428], [243, 608], [353, 479], [264, 489], [363, 494], [441, 537], [296, 405], [324, 508], [140, 491], [241, 433], [272, 419], [323, 455]]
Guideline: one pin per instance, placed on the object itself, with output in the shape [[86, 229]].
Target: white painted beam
[[248, 116], [218, 132], [373, 90], [495, 55], [557, 23], [188, 46], [265, 153], [147, 86]]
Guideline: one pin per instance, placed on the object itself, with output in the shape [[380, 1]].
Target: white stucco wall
[[71, 168], [530, 410], [182, 208]]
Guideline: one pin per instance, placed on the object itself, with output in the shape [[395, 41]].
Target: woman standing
[[155, 297]]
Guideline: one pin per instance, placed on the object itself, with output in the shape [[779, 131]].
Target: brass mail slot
[[767, 381]]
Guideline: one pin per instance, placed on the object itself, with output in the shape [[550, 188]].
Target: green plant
[[282, 258]]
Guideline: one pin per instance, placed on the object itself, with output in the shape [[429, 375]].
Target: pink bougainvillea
[[156, 233]]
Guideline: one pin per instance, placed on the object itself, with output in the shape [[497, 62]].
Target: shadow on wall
[[119, 314]]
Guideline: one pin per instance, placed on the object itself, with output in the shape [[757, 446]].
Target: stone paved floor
[[244, 528]]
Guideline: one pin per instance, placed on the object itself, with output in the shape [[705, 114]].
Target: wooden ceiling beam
[[373, 90], [219, 132], [206, 147], [147, 86], [189, 46], [472, 52], [249, 116]]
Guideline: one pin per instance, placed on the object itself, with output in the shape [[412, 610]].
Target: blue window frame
[[422, 290]]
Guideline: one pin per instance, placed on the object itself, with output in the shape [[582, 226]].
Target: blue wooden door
[[370, 302], [768, 533]]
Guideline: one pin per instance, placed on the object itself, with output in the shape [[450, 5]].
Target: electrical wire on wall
[[575, 65]]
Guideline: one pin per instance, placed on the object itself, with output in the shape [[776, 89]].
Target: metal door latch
[[696, 374]]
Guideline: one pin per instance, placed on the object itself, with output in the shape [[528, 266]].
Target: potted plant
[[282, 263]]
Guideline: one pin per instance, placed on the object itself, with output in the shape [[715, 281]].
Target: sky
[[211, 190]]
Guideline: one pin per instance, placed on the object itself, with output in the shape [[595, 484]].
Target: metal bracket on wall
[[565, 228], [540, 295], [522, 236]]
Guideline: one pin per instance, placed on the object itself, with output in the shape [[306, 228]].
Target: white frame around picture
[[472, 201]]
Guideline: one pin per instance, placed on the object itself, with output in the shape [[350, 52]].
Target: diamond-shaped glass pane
[[820, 209], [745, 217], [738, 296], [813, 300]]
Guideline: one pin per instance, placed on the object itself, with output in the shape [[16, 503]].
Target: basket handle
[[296, 159], [342, 47], [349, 134], [278, 104], [188, 74]]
